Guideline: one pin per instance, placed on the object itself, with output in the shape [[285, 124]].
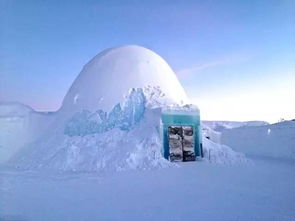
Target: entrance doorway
[[181, 143]]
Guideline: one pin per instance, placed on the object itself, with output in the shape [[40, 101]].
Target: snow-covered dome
[[104, 81]]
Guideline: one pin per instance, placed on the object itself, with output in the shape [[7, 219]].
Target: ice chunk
[[85, 122]]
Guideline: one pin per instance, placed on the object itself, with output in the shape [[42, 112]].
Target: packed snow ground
[[263, 190], [260, 190]]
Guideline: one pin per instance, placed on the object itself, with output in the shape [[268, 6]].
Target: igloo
[[106, 78]]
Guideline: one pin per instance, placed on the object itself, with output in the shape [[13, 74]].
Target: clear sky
[[235, 59]]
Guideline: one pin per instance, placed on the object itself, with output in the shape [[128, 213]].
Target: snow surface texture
[[127, 137], [263, 191], [117, 149]]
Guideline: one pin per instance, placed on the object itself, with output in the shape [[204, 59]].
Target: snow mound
[[113, 150], [19, 125], [221, 154], [215, 152], [108, 76], [211, 134], [274, 140], [127, 137]]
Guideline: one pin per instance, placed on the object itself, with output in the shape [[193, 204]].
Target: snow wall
[[274, 141]]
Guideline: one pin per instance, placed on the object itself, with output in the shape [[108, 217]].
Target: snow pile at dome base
[[221, 154], [115, 140], [113, 150]]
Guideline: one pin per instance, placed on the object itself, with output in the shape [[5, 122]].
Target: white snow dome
[[109, 76]]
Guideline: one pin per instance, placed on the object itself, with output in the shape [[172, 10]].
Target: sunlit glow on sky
[[235, 59]]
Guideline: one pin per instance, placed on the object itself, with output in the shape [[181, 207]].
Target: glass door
[[181, 143], [188, 144], [175, 143]]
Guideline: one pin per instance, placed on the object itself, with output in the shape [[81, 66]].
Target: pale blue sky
[[236, 59]]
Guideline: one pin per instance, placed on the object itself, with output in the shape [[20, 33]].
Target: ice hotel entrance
[[181, 134]]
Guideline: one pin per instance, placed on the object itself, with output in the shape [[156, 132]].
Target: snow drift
[[127, 137]]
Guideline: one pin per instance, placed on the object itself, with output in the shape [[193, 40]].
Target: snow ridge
[[127, 137]]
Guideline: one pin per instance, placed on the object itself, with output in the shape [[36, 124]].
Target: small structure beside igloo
[[181, 133]]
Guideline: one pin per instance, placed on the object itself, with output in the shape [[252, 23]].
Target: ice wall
[[125, 117]]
